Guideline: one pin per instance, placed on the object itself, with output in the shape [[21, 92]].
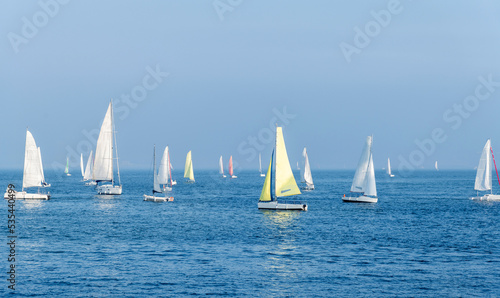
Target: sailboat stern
[[360, 199], [283, 205], [109, 189]]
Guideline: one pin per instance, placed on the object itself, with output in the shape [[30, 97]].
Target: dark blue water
[[423, 238]]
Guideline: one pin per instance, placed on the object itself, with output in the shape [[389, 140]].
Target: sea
[[425, 237]]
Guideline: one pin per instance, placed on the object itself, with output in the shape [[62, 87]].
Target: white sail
[[370, 185], [41, 166], [88, 168], [436, 166], [307, 176], [81, 165], [156, 182], [483, 176], [33, 174], [163, 171], [103, 164], [221, 167], [302, 170], [358, 182], [389, 172]]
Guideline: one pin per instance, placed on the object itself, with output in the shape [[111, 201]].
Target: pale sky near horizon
[[212, 77]]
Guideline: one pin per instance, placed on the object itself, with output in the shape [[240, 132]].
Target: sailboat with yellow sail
[[188, 169], [279, 180]]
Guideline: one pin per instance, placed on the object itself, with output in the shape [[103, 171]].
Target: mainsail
[[483, 175]]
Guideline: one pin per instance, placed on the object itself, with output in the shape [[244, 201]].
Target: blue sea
[[424, 237]]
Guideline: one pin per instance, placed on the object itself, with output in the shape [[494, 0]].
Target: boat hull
[[360, 199], [158, 199], [109, 189], [262, 175], [22, 195], [487, 197], [275, 205], [308, 187], [234, 177], [189, 181], [91, 183]]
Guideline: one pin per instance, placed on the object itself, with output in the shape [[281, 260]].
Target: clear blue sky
[[229, 68]]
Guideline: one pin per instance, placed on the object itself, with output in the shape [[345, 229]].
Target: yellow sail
[[188, 169], [285, 182], [265, 195]]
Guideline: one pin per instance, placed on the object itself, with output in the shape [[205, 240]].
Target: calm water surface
[[424, 237]]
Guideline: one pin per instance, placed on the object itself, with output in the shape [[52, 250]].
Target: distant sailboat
[[188, 169], [81, 165], [298, 168], [483, 175], [103, 163], [221, 167], [260, 167], [436, 166], [389, 172], [156, 184], [305, 174], [364, 178], [231, 174], [33, 172], [165, 172], [89, 170], [66, 169], [279, 180]]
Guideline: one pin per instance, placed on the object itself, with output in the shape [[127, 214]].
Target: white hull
[[308, 187], [224, 176], [189, 181], [174, 182], [234, 176], [22, 195], [488, 197], [391, 175], [109, 189], [91, 183], [158, 199], [360, 199], [275, 205], [262, 175]]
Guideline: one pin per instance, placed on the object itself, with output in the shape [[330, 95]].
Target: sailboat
[[165, 172], [364, 178], [483, 175], [103, 163], [389, 172], [436, 166], [33, 172], [66, 169], [156, 183], [231, 174], [279, 180], [89, 169], [260, 167], [305, 174], [188, 169], [81, 165], [221, 168]]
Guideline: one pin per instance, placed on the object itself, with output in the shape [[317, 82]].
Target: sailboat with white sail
[[389, 171], [260, 167], [81, 165], [364, 178], [66, 169], [305, 173], [279, 182], [103, 164], [436, 166], [188, 169], [221, 168], [157, 182], [231, 172], [33, 175], [483, 175], [88, 173], [165, 172]]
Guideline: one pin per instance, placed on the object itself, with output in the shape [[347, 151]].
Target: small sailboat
[[89, 168], [260, 167], [188, 169], [221, 167], [279, 180], [66, 169], [103, 163], [364, 178], [81, 165], [33, 175], [298, 168], [389, 172], [305, 174], [156, 183], [483, 175], [231, 174], [165, 172], [436, 166]]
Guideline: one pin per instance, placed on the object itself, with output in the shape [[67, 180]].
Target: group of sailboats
[[230, 168], [162, 181]]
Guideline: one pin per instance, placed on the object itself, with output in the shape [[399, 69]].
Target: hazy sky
[[212, 76]]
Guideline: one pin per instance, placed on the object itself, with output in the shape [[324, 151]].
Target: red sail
[[231, 166]]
